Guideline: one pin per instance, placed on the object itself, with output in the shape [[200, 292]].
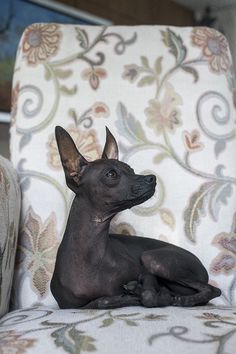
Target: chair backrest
[[168, 96]]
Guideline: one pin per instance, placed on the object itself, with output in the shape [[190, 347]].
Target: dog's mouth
[[143, 197]]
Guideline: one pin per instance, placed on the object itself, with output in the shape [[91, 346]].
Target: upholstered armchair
[[168, 96]]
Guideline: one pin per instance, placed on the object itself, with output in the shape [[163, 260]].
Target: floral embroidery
[[131, 72], [40, 42], [213, 316], [165, 114], [214, 48], [86, 142], [94, 76], [100, 109], [192, 141], [11, 342], [225, 262], [37, 249]]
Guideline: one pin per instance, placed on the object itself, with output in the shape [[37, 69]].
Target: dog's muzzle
[[143, 188]]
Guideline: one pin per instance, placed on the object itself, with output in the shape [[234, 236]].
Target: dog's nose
[[150, 179]]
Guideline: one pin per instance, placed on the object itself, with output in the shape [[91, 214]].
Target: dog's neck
[[86, 228]]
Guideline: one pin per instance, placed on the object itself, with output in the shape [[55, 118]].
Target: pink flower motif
[[94, 76], [192, 141], [164, 114], [100, 109], [86, 142]]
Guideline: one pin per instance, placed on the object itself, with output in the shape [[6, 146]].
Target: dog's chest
[[104, 278]]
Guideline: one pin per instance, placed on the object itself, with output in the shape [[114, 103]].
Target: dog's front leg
[[111, 302]]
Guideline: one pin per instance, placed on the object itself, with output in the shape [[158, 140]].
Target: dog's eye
[[111, 174]]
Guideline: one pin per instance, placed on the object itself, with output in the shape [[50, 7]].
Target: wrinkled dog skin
[[95, 269]]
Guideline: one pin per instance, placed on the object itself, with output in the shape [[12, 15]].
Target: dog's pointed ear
[[72, 161], [110, 150]]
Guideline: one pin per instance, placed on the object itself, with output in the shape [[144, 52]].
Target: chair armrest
[[10, 202]]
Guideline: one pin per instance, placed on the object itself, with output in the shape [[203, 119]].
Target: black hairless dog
[[98, 270]]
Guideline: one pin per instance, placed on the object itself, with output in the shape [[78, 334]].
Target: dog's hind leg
[[184, 275], [205, 293]]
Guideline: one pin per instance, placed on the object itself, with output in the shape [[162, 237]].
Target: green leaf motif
[[107, 322], [131, 323], [158, 65], [129, 127], [160, 157], [192, 71], [82, 37], [72, 340], [196, 209], [47, 74], [146, 80], [212, 195], [168, 218], [175, 45], [68, 91], [145, 62], [63, 74]]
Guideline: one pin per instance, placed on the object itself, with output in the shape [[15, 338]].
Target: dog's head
[[108, 184]]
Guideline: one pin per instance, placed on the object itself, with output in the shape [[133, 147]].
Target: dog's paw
[[132, 288]]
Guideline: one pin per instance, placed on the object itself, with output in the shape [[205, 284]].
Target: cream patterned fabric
[[168, 96], [9, 222], [206, 330]]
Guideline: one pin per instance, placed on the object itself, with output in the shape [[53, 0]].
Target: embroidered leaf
[[192, 71], [47, 74], [25, 183], [175, 44], [129, 127], [131, 323], [196, 209], [107, 322], [72, 340], [158, 65], [160, 157], [219, 196], [63, 74], [145, 62], [25, 139], [68, 91], [168, 218], [146, 80], [82, 37], [219, 147]]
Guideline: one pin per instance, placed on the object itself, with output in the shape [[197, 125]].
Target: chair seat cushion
[[136, 330]]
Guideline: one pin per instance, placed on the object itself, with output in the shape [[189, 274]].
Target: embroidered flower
[[40, 42], [86, 142], [11, 342], [37, 249], [214, 47], [192, 141], [100, 109], [210, 316], [164, 114], [131, 72], [94, 76], [225, 262]]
